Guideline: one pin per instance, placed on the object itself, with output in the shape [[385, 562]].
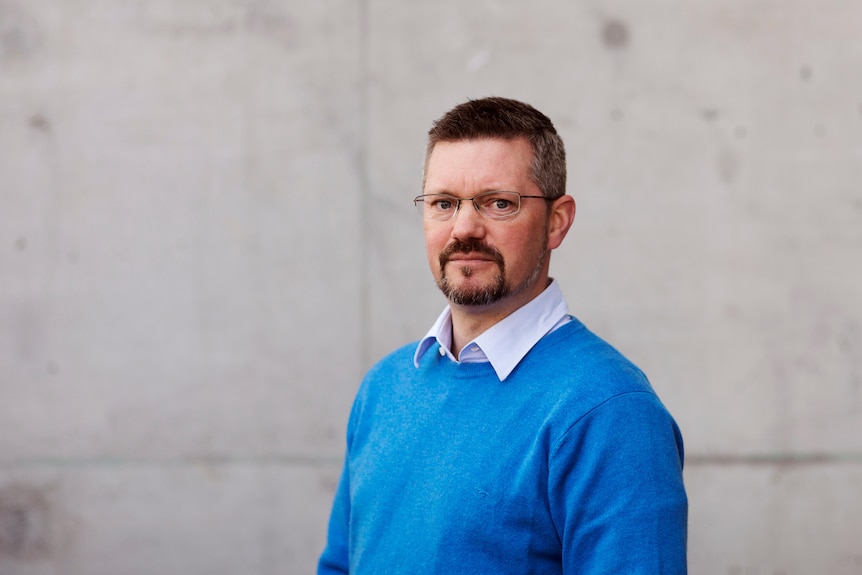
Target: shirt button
[[442, 351]]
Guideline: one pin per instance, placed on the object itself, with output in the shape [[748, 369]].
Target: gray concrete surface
[[206, 237]]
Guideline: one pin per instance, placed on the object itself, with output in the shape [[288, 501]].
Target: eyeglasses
[[491, 205]]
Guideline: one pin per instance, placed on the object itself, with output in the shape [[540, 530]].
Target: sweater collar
[[505, 343]]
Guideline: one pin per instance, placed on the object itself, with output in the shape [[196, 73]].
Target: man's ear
[[560, 220]]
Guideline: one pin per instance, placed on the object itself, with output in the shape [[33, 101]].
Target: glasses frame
[[458, 201]]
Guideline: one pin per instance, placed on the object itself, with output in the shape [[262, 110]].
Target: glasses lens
[[498, 205], [437, 206], [419, 204]]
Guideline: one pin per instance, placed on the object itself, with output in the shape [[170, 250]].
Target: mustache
[[469, 247]]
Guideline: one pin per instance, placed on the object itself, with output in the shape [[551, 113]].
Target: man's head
[[487, 249], [505, 119]]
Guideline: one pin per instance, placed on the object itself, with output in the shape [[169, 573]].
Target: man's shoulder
[[575, 356], [396, 361], [576, 338], [397, 357]]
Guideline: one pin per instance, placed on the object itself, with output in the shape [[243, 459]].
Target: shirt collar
[[505, 343]]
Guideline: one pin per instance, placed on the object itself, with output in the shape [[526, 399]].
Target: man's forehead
[[487, 154], [517, 142], [470, 167]]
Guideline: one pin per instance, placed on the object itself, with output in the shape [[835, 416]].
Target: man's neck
[[468, 326], [469, 322]]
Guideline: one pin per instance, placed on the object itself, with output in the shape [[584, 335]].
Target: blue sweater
[[570, 465]]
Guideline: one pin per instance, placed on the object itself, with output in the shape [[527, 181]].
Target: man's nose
[[468, 223]]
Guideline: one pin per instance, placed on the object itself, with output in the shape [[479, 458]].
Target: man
[[510, 439]]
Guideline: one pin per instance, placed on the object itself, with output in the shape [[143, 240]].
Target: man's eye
[[442, 205], [499, 205]]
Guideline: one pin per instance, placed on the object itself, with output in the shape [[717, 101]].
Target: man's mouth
[[471, 257], [470, 252]]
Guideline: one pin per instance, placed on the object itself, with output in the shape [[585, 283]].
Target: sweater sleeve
[[335, 558], [616, 490]]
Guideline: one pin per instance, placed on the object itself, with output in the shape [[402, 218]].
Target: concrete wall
[[206, 237]]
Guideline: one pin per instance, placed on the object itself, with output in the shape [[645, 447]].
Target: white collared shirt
[[505, 343]]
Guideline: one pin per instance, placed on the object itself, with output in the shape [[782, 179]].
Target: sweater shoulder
[[396, 360], [392, 368], [575, 364]]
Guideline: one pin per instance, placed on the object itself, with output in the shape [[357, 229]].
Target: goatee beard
[[475, 296], [478, 296], [494, 291], [472, 296]]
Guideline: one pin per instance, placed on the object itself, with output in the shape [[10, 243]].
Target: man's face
[[478, 261]]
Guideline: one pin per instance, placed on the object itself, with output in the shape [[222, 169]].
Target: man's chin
[[468, 293]]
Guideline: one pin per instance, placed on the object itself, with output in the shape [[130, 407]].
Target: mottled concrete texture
[[206, 237]]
